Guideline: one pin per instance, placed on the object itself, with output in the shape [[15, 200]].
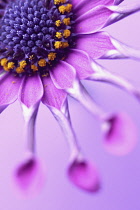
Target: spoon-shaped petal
[[29, 176], [120, 135], [84, 175]]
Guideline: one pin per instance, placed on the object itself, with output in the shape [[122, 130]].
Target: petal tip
[[29, 177], [84, 175], [120, 136]]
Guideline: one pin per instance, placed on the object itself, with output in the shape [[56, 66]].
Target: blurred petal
[[93, 20], [84, 175], [31, 91], [63, 75], [120, 134], [29, 176], [52, 96], [81, 173]]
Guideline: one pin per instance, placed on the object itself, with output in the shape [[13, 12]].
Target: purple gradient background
[[120, 175]]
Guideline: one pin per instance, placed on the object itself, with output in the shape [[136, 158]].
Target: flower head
[[46, 48]]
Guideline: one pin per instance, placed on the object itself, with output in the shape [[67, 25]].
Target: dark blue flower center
[[35, 35]]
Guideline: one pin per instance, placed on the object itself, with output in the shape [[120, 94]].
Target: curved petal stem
[[30, 95], [29, 175], [79, 93], [121, 12], [63, 118], [101, 74], [30, 118], [126, 51], [80, 171], [115, 138], [118, 50]]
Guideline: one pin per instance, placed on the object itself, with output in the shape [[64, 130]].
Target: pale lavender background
[[120, 175]]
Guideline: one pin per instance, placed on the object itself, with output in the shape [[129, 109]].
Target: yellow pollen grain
[[34, 67], [45, 75], [5, 68], [13, 82], [62, 9], [58, 45], [22, 64], [65, 44], [66, 33], [19, 70], [3, 61], [11, 65], [58, 23], [42, 62], [59, 35], [59, 1], [66, 21], [51, 56], [68, 8]]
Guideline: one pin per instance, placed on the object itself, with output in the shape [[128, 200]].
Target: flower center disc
[[35, 35]]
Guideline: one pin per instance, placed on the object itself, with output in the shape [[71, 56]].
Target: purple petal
[[81, 62], [31, 91], [75, 3], [96, 45], [52, 96], [29, 115], [84, 175], [116, 2], [63, 118], [93, 20], [2, 71], [121, 136], [103, 75], [63, 75], [79, 93], [120, 12], [9, 86], [120, 50], [29, 176], [84, 6]]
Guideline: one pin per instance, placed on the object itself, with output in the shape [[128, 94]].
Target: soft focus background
[[120, 175]]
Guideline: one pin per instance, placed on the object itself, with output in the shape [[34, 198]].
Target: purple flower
[[46, 48]]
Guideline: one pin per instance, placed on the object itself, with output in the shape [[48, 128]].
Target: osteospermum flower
[[46, 48]]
